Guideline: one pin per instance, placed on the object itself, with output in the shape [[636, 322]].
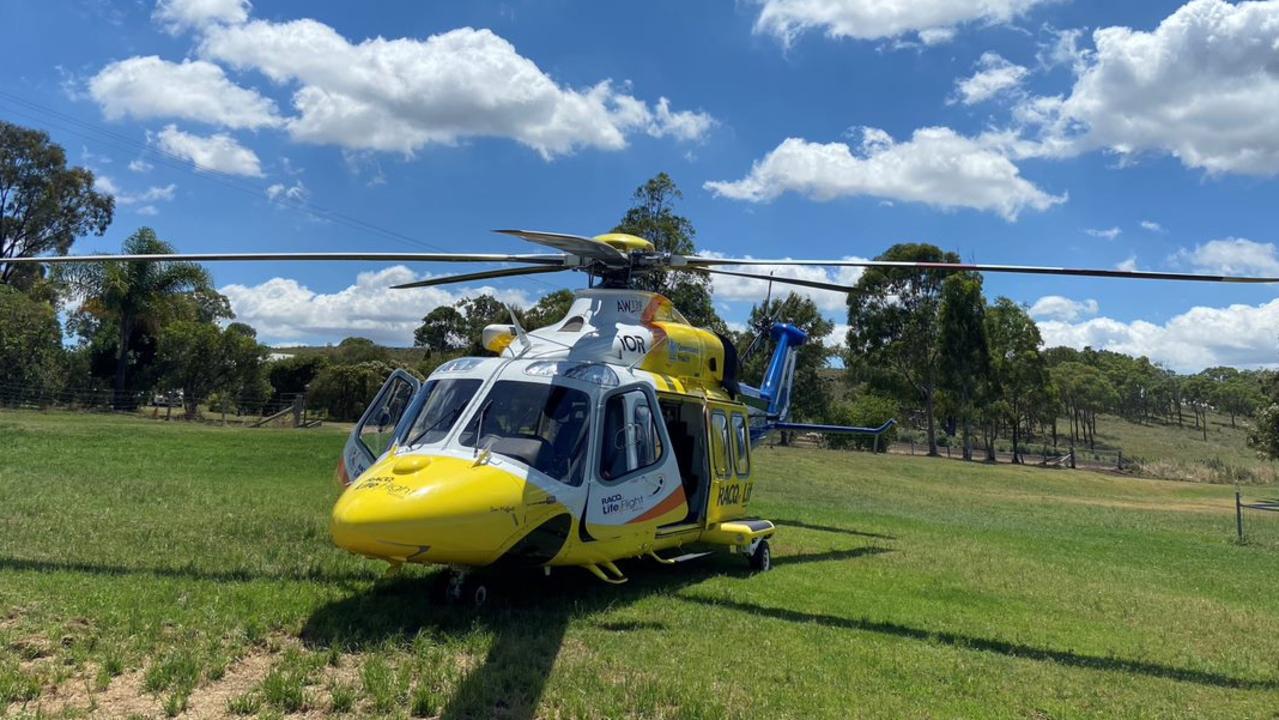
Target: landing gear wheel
[[762, 558], [478, 595]]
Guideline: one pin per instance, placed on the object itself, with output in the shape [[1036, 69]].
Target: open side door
[[380, 428]]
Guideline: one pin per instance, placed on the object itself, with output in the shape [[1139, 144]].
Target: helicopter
[[620, 431]]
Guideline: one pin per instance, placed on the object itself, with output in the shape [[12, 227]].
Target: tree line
[[925, 346]]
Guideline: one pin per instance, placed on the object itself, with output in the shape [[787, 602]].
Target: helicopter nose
[[440, 510]]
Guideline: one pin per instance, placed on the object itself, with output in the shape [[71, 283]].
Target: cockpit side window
[[541, 425]]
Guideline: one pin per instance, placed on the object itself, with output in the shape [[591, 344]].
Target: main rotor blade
[[467, 277], [557, 260], [705, 264], [774, 278], [573, 244]]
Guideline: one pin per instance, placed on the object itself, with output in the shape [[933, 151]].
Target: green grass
[[1181, 452], [192, 562]]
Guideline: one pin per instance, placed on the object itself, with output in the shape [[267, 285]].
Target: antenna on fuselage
[[519, 329]]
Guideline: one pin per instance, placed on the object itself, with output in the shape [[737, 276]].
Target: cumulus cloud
[[933, 20], [936, 166], [1238, 335], [1202, 87], [285, 310], [149, 87], [400, 95], [995, 76], [1108, 233], [178, 15], [1056, 307], [153, 194], [218, 152], [728, 287], [1152, 226], [1232, 256]]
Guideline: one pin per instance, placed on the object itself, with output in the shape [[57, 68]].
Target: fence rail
[[1240, 506]]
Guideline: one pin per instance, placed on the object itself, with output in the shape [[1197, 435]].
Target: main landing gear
[[761, 556], [463, 588]]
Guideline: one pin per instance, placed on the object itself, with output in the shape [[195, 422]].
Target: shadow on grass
[[528, 621], [187, 573], [1001, 647], [832, 529]]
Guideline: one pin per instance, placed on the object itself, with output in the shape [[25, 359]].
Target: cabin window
[[719, 442], [741, 444], [445, 401], [630, 439], [541, 425]]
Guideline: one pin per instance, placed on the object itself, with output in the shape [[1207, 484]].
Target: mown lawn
[[151, 569]]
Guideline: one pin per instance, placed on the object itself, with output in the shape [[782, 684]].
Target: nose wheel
[[465, 589]]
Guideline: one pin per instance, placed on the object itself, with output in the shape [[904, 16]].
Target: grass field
[[162, 569]]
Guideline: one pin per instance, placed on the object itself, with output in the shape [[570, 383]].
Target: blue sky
[[1062, 132]]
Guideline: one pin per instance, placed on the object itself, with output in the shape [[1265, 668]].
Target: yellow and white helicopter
[[619, 431]]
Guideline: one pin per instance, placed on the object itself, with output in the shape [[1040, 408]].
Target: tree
[[443, 330], [550, 309], [1017, 370], [893, 313], [354, 350], [200, 358], [1084, 391], [30, 348], [1264, 435], [290, 377], [133, 295], [810, 400], [343, 391], [652, 217], [44, 205], [965, 353]]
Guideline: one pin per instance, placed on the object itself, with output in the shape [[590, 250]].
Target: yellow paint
[[625, 243]]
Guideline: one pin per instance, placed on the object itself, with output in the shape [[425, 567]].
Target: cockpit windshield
[[541, 425], [445, 401]]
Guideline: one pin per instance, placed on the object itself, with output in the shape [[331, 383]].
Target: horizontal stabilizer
[[835, 429]]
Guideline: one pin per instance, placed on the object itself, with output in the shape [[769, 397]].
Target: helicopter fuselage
[[606, 436]]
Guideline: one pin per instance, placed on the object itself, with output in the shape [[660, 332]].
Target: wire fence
[[241, 408], [1257, 521]]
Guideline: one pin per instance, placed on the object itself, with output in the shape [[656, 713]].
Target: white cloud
[[149, 87], [1128, 265], [936, 166], [1152, 226], [838, 337], [218, 153], [284, 310], [728, 287], [147, 210], [1108, 233], [1056, 307], [1238, 335], [140, 166], [1233, 256], [155, 193], [995, 76], [178, 15], [933, 20], [1063, 49], [296, 192], [1202, 87], [403, 94]]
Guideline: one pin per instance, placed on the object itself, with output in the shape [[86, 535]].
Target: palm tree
[[134, 294]]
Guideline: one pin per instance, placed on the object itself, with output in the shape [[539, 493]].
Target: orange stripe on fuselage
[[671, 502]]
